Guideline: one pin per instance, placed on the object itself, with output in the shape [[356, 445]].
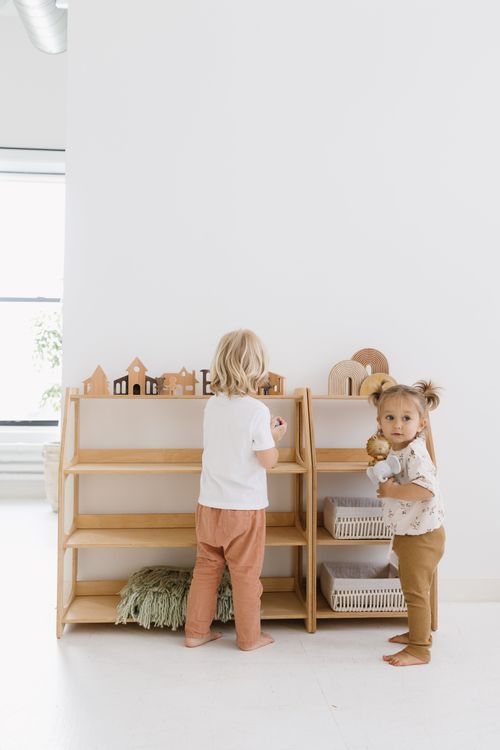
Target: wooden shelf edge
[[286, 467], [132, 468], [93, 609], [156, 397], [331, 615], [325, 612], [324, 539], [341, 467], [156, 538], [327, 397]]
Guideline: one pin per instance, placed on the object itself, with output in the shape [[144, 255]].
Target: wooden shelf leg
[[60, 564], [61, 517], [60, 559], [312, 515]]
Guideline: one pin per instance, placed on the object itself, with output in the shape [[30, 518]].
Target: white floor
[[106, 687]]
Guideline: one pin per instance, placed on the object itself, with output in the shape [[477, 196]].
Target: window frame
[[18, 163]]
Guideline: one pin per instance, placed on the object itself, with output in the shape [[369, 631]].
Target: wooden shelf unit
[[95, 601], [346, 461]]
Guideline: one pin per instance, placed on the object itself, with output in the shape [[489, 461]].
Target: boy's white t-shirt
[[233, 429]]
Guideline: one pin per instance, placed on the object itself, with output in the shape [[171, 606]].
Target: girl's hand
[[405, 492], [385, 489], [278, 428]]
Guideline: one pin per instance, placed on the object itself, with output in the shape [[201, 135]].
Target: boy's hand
[[278, 428]]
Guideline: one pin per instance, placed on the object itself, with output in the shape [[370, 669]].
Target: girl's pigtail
[[374, 397], [429, 392]]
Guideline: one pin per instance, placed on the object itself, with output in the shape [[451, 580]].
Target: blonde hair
[[240, 364], [424, 393]]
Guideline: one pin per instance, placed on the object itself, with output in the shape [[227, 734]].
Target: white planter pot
[[51, 453]]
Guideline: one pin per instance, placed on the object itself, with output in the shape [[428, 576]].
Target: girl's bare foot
[[212, 635], [264, 640], [403, 659], [403, 638]]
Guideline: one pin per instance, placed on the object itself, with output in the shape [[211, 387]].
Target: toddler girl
[[238, 446], [412, 508]]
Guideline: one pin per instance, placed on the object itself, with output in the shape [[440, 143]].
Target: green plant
[[48, 351]]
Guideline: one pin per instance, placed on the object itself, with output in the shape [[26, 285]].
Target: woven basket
[[354, 518], [362, 587]]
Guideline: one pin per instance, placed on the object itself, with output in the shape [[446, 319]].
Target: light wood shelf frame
[[347, 461], [95, 601]]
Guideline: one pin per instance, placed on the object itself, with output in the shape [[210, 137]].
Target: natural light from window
[[32, 246]]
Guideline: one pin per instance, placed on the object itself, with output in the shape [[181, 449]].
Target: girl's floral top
[[421, 516]]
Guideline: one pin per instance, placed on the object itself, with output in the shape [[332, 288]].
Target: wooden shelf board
[[324, 612], [276, 536], [152, 397], [100, 609], [341, 467], [281, 605], [286, 467], [133, 468], [92, 609], [284, 536], [326, 397], [325, 538], [143, 397]]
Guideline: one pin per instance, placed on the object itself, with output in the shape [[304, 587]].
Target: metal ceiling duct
[[45, 23]]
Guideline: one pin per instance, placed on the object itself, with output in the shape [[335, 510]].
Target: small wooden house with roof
[[97, 384], [275, 385], [136, 383], [182, 383]]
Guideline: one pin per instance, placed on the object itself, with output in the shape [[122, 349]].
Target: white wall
[[323, 172], [33, 87]]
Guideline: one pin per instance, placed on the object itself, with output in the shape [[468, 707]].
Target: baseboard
[[21, 462], [27, 487], [469, 590]]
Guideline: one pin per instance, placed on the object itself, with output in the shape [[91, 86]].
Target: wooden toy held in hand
[[377, 447], [382, 465]]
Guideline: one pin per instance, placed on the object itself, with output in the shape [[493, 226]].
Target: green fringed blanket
[[157, 596]]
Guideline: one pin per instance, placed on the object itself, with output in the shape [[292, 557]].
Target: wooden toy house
[[97, 384], [182, 383], [275, 385], [136, 383]]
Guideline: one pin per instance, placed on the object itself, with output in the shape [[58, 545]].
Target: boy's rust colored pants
[[418, 559], [238, 538]]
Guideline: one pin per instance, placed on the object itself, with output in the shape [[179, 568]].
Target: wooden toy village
[[173, 384], [366, 371]]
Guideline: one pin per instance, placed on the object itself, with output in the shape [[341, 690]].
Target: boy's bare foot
[[211, 636], [403, 638], [403, 659], [264, 640]]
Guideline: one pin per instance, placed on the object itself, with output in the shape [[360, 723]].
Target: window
[[31, 246]]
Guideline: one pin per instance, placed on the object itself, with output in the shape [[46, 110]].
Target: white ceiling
[[7, 8]]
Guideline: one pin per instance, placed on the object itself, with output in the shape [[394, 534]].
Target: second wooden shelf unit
[[338, 461]]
